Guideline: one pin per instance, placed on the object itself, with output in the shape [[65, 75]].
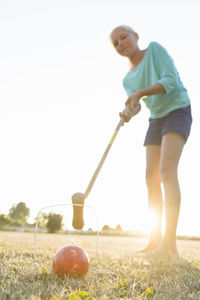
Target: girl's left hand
[[133, 99]]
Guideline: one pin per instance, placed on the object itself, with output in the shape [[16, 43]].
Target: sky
[[60, 97]]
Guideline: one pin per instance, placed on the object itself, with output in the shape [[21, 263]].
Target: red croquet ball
[[71, 260]]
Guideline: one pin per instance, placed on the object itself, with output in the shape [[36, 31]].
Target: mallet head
[[78, 200]]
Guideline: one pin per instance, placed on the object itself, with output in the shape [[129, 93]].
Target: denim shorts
[[179, 120]]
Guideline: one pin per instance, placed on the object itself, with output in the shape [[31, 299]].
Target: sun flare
[[149, 222]]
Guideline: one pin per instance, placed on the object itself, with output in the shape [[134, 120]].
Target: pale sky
[[61, 93]]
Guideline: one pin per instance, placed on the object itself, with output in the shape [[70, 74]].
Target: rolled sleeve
[[169, 77]]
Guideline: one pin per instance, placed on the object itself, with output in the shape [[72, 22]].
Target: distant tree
[[16, 223], [106, 227], [4, 220], [118, 227], [54, 222], [19, 212]]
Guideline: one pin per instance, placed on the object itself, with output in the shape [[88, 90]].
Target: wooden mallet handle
[[78, 199]]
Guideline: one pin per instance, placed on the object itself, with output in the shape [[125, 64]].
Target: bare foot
[[154, 242], [150, 247], [166, 251], [169, 250]]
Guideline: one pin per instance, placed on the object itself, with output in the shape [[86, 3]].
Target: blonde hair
[[128, 28]]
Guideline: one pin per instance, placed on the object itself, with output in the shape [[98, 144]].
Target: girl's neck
[[137, 58]]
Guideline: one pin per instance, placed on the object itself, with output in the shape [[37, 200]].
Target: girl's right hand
[[127, 113]]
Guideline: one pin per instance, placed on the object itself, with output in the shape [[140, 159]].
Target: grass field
[[117, 273]]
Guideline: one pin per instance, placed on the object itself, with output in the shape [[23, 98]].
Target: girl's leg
[[155, 202], [171, 149]]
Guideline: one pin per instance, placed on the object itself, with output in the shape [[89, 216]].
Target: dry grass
[[117, 273]]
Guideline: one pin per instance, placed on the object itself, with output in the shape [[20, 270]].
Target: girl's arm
[[132, 103], [155, 89], [134, 98]]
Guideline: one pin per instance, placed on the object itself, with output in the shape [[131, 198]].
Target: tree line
[[19, 214]]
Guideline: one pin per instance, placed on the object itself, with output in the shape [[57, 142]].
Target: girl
[[154, 78]]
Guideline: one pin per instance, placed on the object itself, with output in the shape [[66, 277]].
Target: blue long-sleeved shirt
[[157, 67]]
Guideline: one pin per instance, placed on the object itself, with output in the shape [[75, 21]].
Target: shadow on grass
[[172, 277]]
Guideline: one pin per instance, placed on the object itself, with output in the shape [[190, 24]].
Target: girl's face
[[125, 42]]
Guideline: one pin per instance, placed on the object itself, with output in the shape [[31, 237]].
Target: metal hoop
[[66, 204]]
